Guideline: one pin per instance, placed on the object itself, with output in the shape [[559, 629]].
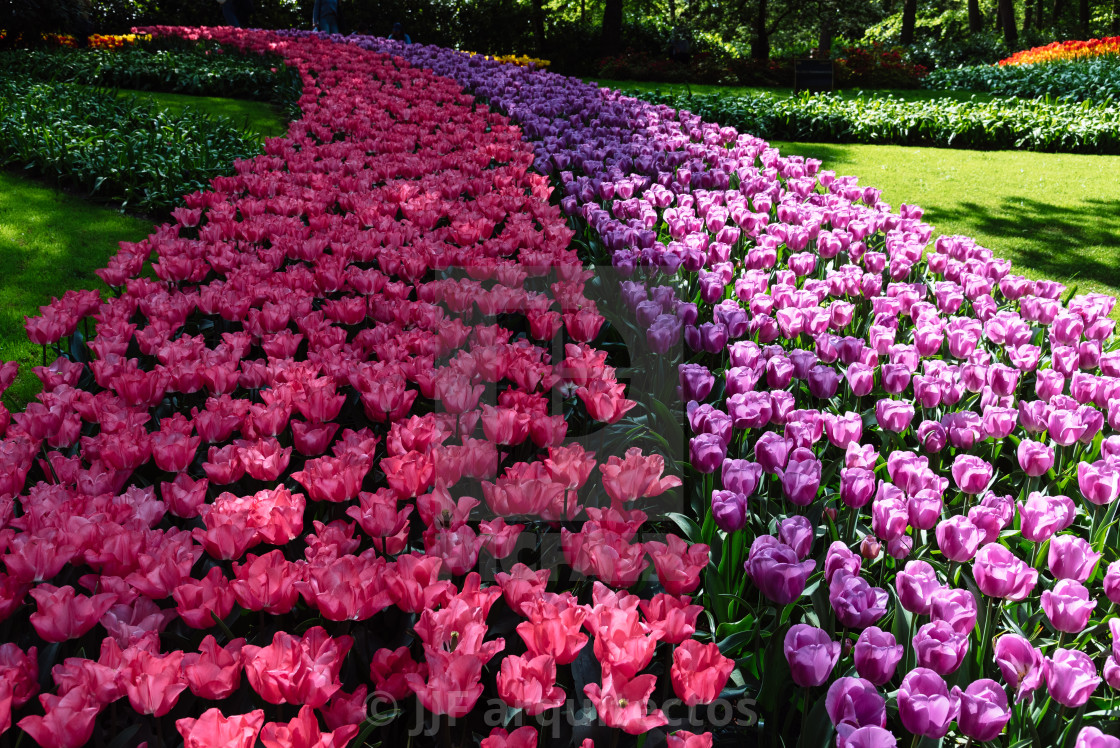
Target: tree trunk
[[672, 12], [1028, 15], [975, 17], [1115, 25], [538, 26], [760, 43], [1059, 11], [824, 44], [1083, 18], [909, 18], [1007, 19], [612, 28]]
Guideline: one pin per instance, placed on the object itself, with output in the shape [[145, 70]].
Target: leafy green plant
[[115, 149], [1074, 80], [1036, 125], [204, 69]]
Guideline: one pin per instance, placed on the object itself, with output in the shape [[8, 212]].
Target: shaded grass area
[[906, 94], [258, 116], [51, 242], [1054, 215]]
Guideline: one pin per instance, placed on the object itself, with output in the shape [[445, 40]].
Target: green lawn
[[260, 116], [1054, 215], [51, 241]]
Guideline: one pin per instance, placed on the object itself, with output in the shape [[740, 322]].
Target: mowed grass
[[51, 241], [258, 116], [1054, 215]]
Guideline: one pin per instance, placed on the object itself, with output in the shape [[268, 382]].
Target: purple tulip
[[1111, 672], [1068, 606], [1020, 663], [740, 379], [811, 655], [932, 436], [772, 451], [843, 430], [775, 568], [729, 509], [706, 452], [867, 737], [1035, 458], [856, 602], [855, 703], [971, 473], [705, 419], [955, 607], [983, 712], [939, 647], [900, 547], [1112, 582], [877, 655], [1099, 481], [801, 479], [823, 381], [779, 372], [958, 538], [860, 456], [1091, 737], [1071, 557], [857, 486], [923, 509], [915, 585], [925, 705], [1070, 677], [999, 573], [696, 381], [797, 533], [861, 378], [840, 558], [894, 415], [664, 334], [750, 410], [741, 476], [1042, 516]]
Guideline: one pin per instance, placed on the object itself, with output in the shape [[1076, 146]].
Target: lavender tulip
[[1020, 663], [840, 558], [983, 710], [775, 568], [999, 573], [877, 655], [855, 703], [939, 647], [1071, 557], [958, 538], [955, 607], [915, 584], [1068, 606], [1091, 737], [925, 705], [1070, 677], [811, 655]]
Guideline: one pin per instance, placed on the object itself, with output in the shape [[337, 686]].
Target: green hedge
[[1074, 80], [197, 69], [120, 150], [993, 125]]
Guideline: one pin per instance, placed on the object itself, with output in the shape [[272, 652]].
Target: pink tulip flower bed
[[907, 456], [256, 505]]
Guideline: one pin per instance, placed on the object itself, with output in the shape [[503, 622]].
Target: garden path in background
[[1054, 215]]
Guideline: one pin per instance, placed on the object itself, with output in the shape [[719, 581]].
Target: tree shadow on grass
[[1065, 233]]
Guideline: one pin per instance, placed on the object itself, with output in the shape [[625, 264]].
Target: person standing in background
[[399, 35], [325, 16], [229, 13]]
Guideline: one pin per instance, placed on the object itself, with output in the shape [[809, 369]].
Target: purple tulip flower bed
[[908, 456]]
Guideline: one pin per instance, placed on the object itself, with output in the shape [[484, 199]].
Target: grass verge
[[51, 242], [1054, 215]]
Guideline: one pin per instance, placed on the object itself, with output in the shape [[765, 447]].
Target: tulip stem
[[914, 742]]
